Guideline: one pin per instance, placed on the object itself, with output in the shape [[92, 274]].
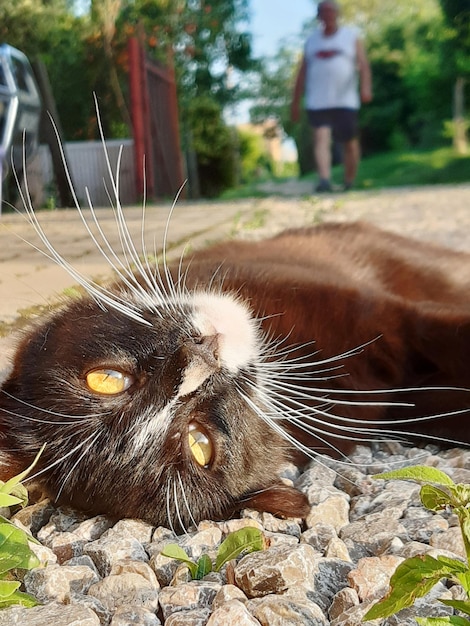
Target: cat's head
[[150, 408]]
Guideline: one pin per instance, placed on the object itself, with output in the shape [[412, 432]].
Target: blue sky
[[273, 20]]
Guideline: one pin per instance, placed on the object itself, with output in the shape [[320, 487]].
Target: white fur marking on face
[[152, 426], [194, 375], [231, 320]]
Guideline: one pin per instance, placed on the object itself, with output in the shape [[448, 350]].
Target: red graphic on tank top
[[327, 54]]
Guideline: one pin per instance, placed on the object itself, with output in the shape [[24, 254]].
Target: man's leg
[[351, 157], [322, 152]]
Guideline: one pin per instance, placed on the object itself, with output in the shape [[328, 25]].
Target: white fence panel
[[87, 162]]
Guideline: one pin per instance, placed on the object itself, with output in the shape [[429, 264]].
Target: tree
[[457, 14], [273, 85]]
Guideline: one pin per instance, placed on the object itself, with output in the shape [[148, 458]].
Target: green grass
[[390, 169], [397, 169]]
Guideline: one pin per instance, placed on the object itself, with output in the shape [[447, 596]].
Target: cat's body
[[163, 398]]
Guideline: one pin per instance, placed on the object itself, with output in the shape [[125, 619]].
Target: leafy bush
[[255, 163], [416, 576], [214, 145], [15, 552]]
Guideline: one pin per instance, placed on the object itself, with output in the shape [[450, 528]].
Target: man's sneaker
[[323, 186], [348, 186]]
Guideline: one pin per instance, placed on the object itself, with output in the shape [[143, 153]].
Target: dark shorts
[[343, 122]]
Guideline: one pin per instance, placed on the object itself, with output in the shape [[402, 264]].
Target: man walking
[[333, 61]]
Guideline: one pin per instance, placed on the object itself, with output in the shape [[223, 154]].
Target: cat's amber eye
[[108, 382], [200, 445]]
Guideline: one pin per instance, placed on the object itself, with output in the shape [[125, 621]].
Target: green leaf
[[246, 539], [454, 620], [13, 482], [433, 498], [7, 587], [14, 549], [173, 551], [18, 597], [412, 579], [460, 605], [419, 473], [204, 567], [461, 494], [8, 500], [454, 565], [464, 580]]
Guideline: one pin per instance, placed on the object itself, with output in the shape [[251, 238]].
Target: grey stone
[[113, 547], [342, 601], [275, 610], [83, 560], [126, 588], [92, 529], [354, 482], [164, 568], [372, 576], [92, 603], [134, 616], [138, 529], [335, 509], [276, 569], [375, 533], [232, 613], [227, 593], [319, 536], [205, 541], [275, 524], [54, 583], [318, 474], [49, 615], [449, 540], [197, 594], [422, 528], [35, 516], [194, 617]]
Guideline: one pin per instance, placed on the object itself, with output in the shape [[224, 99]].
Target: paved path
[[28, 279]]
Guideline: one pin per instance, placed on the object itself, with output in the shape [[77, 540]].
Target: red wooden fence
[[154, 114]]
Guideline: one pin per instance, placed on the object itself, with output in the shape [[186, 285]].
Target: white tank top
[[331, 75]]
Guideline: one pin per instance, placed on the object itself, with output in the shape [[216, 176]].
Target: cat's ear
[[279, 499]]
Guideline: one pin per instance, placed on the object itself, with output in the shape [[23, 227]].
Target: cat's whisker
[[274, 424], [166, 232], [185, 500], [28, 418], [177, 508], [305, 413], [122, 270], [52, 412], [61, 459], [77, 462], [168, 507]]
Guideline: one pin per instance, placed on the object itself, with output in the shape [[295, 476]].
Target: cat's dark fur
[[346, 309]]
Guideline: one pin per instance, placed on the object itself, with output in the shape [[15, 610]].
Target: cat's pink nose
[[207, 348]]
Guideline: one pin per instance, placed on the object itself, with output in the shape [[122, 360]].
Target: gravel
[[327, 569]]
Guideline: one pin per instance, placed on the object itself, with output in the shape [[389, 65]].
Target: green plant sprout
[[243, 540], [15, 552], [416, 576]]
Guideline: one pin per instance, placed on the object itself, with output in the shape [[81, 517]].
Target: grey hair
[[331, 2]]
